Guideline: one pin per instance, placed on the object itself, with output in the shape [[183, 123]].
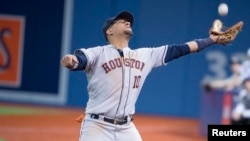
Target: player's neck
[[119, 43]]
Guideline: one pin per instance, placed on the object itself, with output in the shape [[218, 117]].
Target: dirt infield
[[36, 123]]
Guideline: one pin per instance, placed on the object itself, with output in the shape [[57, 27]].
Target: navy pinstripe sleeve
[[176, 51]]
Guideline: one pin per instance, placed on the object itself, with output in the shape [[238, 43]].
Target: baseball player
[[241, 111], [115, 75], [245, 67]]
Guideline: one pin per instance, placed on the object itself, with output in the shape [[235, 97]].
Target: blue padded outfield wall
[[45, 30]]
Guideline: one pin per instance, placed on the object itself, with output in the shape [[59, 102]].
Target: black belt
[[113, 121]]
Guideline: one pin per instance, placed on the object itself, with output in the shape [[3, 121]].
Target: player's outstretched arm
[[176, 51], [200, 44]]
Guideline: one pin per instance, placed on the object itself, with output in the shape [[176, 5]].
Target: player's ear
[[109, 32]]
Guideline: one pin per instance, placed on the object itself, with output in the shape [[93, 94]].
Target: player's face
[[235, 67], [122, 26], [247, 85]]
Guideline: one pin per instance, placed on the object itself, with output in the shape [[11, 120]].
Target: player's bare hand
[[214, 37], [69, 61]]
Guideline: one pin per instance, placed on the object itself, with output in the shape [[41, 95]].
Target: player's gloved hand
[[69, 61], [225, 35]]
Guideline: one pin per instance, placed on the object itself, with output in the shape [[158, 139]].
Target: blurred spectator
[[245, 67], [241, 111], [230, 83]]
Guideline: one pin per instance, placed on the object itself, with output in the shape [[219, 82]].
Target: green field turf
[[15, 110]]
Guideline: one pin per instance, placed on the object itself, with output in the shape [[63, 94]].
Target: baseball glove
[[226, 35]]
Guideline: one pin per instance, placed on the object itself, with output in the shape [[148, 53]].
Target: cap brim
[[127, 16]]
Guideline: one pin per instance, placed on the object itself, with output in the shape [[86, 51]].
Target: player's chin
[[129, 32]]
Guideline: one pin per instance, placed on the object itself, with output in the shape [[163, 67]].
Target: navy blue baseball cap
[[110, 21]]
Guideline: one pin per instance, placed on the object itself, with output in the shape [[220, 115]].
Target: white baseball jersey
[[114, 82]]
